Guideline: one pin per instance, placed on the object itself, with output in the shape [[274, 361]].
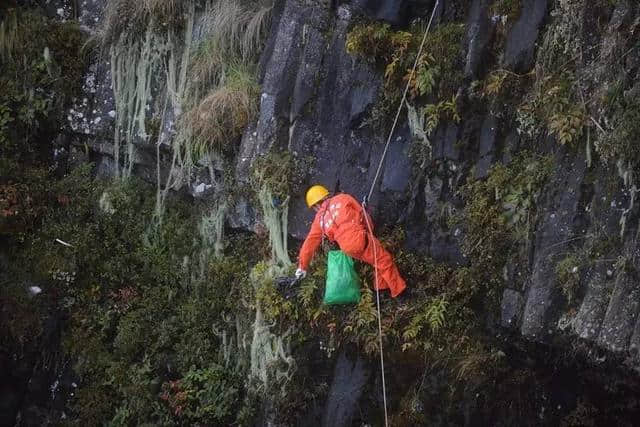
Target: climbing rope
[[404, 98], [366, 216]]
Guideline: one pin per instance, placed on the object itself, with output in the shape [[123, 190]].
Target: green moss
[[568, 272], [618, 143], [281, 173], [500, 212]]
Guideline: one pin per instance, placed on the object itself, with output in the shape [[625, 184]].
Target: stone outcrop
[[315, 97]]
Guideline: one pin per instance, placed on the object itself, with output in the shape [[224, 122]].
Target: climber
[[341, 219]]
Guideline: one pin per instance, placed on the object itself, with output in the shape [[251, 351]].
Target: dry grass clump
[[223, 90], [232, 30], [224, 113], [238, 27]]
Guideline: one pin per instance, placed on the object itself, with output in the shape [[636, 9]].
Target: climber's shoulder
[[344, 198]]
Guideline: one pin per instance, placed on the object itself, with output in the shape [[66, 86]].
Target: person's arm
[[310, 245]]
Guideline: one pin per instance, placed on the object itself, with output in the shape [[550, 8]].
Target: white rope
[[375, 272], [366, 216], [404, 98]]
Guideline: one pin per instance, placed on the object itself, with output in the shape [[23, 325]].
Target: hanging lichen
[[134, 64], [275, 217], [270, 354], [211, 231]]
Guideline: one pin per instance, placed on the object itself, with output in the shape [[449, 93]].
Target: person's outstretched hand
[[300, 273]]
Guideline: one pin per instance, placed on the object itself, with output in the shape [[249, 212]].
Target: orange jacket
[[338, 218]]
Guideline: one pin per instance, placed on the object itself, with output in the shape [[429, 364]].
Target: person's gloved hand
[[300, 274]]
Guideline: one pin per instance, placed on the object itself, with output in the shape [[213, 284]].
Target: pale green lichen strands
[[133, 65], [211, 230], [270, 354], [268, 351], [275, 219], [179, 49]]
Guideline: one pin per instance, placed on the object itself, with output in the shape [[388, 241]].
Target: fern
[[436, 314], [567, 126], [432, 317], [435, 113]]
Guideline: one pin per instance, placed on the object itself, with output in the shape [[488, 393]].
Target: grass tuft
[[223, 114]]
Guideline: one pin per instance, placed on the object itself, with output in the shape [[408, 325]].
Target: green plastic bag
[[343, 285]]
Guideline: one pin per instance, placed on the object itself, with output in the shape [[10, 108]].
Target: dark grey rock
[[242, 215], [392, 11], [488, 135], [444, 247], [451, 151], [90, 13], [478, 35], [397, 167], [445, 140], [511, 308], [482, 167], [592, 310], [634, 343], [307, 72], [551, 242], [349, 380], [320, 116], [487, 146], [622, 313], [521, 41], [511, 145]]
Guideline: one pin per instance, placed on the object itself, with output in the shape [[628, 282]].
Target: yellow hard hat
[[315, 194]]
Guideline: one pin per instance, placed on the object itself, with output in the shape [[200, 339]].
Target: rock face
[[349, 380], [315, 98], [520, 48]]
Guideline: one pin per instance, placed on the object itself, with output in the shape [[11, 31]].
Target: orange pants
[[358, 244]]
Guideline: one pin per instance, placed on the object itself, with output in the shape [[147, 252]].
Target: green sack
[[343, 285]]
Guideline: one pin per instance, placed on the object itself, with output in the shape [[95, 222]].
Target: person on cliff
[[342, 220]]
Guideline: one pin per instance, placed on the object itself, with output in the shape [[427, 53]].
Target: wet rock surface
[[349, 380], [314, 100], [520, 47]]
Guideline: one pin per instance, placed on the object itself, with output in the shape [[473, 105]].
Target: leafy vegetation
[[40, 73], [618, 143], [500, 211], [507, 8], [568, 276], [444, 110], [438, 74], [554, 104], [131, 297]]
